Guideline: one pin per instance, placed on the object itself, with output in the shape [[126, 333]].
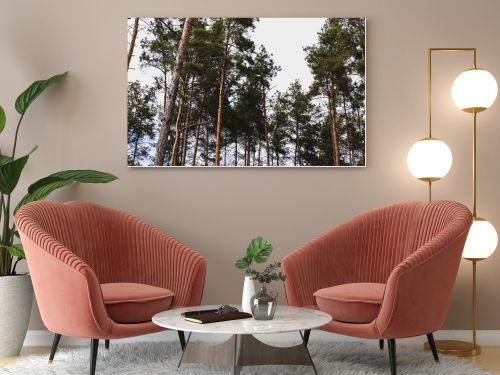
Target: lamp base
[[456, 348]]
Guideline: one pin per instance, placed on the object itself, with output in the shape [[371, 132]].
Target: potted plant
[[16, 291], [258, 251]]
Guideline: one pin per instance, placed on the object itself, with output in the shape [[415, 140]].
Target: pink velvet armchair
[[385, 274], [99, 273]]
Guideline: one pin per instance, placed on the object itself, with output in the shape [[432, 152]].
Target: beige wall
[[82, 124]]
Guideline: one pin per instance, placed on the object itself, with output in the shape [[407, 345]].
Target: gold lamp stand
[[456, 347], [462, 348]]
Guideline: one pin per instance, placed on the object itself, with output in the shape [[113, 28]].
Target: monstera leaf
[[258, 250]]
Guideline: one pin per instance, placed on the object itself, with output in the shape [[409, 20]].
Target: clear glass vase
[[263, 304]]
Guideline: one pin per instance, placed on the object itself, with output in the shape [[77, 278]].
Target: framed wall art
[[246, 92]]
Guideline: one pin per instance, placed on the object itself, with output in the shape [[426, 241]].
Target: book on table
[[213, 316]]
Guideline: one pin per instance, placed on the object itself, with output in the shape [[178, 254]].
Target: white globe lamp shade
[[429, 159], [474, 90], [481, 241]]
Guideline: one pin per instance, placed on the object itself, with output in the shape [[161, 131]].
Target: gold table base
[[455, 347]]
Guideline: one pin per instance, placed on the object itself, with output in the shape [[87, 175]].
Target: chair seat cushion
[[135, 303], [351, 303]]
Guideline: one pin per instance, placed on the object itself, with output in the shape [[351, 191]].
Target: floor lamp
[[473, 91]]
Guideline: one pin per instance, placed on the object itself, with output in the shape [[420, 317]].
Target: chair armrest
[[323, 262], [165, 262], [67, 290], [419, 289]]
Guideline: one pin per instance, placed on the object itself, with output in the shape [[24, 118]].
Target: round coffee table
[[242, 348]]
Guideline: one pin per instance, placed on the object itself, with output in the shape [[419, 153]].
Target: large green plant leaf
[[31, 93], [42, 193], [86, 176], [15, 250], [3, 119], [43, 187], [4, 159], [259, 250], [10, 172], [242, 263]]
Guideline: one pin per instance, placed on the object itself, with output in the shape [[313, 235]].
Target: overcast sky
[[284, 38]]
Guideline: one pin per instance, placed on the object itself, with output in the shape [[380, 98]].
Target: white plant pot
[[16, 298], [248, 292]]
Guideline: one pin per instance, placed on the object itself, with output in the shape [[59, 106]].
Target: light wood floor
[[488, 360]]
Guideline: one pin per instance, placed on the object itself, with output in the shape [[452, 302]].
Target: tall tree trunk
[[236, 151], [225, 154], [348, 132], [297, 144], [186, 122], [175, 147], [249, 150], [254, 151], [221, 96], [333, 116], [244, 153], [266, 128], [206, 144], [131, 47], [161, 147], [135, 149], [259, 154], [361, 134], [164, 124], [196, 140]]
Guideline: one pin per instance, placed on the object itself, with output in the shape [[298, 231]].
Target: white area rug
[[162, 358]]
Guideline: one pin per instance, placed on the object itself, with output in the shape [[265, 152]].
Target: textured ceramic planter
[[16, 298]]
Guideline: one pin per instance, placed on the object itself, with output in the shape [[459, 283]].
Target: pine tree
[[338, 54], [264, 71], [235, 42], [161, 147], [140, 121], [135, 30], [279, 128]]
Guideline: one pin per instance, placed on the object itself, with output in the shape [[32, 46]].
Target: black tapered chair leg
[[432, 344], [55, 344], [392, 355], [94, 346], [307, 333], [106, 344], [381, 344], [182, 339]]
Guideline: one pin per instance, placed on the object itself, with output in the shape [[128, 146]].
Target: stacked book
[[213, 316]]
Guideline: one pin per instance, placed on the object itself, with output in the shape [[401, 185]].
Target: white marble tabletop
[[286, 319]]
